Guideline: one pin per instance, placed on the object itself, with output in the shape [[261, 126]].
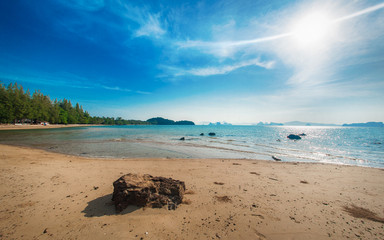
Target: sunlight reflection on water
[[355, 146]]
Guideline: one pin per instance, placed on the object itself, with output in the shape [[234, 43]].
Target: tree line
[[19, 106]]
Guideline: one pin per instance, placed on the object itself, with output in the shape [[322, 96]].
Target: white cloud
[[226, 44], [133, 21], [150, 24], [151, 27], [219, 70], [349, 41], [143, 92], [115, 88], [228, 68], [362, 12]]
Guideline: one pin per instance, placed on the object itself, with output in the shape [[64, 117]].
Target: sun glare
[[311, 30]]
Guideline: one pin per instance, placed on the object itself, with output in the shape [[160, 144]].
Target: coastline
[[51, 126], [47, 195], [37, 126]]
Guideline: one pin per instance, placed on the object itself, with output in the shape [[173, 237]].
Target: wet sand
[[46, 195]]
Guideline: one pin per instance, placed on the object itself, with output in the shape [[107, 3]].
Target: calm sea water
[[342, 145]]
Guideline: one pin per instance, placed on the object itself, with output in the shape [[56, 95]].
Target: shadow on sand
[[103, 206]]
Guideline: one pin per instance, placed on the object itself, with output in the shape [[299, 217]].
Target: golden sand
[[47, 195]]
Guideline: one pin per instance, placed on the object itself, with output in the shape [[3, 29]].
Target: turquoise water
[[341, 145]]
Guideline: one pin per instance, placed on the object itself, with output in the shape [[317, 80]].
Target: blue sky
[[235, 61]]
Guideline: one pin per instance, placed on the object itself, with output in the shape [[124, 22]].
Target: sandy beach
[[47, 195], [38, 126]]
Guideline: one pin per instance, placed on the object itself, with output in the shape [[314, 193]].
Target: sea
[[361, 146]]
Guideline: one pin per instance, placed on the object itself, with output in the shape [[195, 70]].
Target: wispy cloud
[[361, 12], [120, 89], [115, 88], [143, 92], [151, 27], [150, 23], [341, 45], [229, 68], [218, 70], [125, 18], [226, 44]]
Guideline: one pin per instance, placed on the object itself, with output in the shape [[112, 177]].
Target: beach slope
[[46, 195]]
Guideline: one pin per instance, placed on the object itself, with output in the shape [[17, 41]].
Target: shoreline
[[192, 158], [47, 195], [37, 126], [234, 143]]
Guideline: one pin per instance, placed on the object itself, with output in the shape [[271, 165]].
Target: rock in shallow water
[[294, 137], [146, 190]]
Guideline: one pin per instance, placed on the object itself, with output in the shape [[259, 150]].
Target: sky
[[236, 61]]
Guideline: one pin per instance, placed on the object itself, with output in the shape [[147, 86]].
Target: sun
[[312, 29]]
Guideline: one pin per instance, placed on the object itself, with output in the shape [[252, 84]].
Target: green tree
[[40, 106], [5, 105], [17, 104], [63, 116], [54, 112]]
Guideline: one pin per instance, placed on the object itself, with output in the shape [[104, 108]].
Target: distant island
[[269, 124], [367, 124], [163, 121], [220, 124], [298, 123], [294, 123]]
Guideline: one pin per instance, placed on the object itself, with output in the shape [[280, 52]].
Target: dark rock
[[294, 137], [276, 158], [146, 190], [302, 134], [201, 134], [182, 139], [212, 134], [278, 140]]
